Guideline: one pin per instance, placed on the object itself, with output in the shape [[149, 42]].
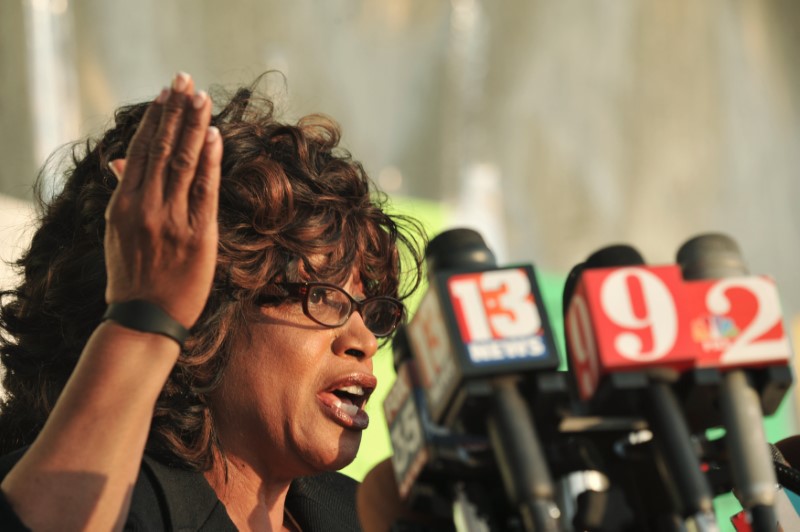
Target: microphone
[[716, 257], [787, 452], [785, 513], [788, 476], [479, 332], [477, 321], [623, 317], [426, 456], [411, 435], [609, 295], [786, 509]]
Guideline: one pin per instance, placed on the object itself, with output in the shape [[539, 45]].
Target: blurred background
[[552, 127]]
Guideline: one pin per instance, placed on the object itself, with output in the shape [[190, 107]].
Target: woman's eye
[[317, 296]]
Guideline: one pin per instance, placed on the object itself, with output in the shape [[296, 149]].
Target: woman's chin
[[344, 453]]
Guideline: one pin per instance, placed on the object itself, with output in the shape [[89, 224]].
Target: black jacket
[[168, 498]]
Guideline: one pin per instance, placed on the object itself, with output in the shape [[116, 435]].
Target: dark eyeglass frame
[[303, 290]]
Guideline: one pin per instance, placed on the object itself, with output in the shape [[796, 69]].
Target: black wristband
[[144, 316]]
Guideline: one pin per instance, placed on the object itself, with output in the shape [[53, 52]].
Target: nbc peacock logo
[[714, 333]]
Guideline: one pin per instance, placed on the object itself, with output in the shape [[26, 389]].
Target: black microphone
[[786, 513], [649, 380], [480, 330], [787, 476], [427, 457], [716, 256]]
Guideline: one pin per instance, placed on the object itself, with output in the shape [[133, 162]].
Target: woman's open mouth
[[345, 402]]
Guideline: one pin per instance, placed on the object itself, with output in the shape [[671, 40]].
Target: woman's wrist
[[144, 316], [128, 339]]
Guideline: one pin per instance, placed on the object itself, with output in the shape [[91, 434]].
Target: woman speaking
[[191, 343]]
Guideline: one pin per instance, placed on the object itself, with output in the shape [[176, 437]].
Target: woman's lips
[[344, 399], [344, 412]]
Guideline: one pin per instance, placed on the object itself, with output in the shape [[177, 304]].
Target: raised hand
[[161, 247], [161, 235]]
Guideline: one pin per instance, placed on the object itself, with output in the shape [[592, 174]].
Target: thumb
[[117, 167]]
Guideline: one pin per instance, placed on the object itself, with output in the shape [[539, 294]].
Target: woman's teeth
[[353, 389]]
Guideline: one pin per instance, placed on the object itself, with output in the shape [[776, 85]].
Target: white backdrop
[[558, 126]]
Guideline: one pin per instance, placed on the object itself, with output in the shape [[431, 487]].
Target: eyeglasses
[[329, 305]]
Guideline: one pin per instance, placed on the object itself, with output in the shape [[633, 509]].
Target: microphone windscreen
[[570, 285], [616, 255], [711, 256], [607, 257], [777, 455], [787, 475], [458, 248], [790, 449]]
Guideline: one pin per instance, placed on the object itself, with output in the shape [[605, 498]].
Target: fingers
[[204, 195], [117, 167], [174, 158], [163, 141], [184, 161], [139, 148]]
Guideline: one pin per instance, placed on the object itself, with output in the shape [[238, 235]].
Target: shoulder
[[163, 498], [324, 502], [170, 498]]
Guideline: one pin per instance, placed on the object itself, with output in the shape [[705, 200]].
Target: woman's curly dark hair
[[288, 194]]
